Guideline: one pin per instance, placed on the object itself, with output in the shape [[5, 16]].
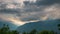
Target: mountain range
[[40, 25]]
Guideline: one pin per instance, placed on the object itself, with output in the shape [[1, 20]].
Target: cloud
[[11, 19], [8, 11], [31, 11], [16, 21], [53, 11], [47, 2], [13, 3]]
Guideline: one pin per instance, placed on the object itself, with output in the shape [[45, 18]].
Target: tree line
[[6, 30]]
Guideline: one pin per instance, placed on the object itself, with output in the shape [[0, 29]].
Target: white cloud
[[11, 6], [53, 11], [12, 19], [11, 3]]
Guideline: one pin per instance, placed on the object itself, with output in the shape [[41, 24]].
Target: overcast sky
[[20, 12]]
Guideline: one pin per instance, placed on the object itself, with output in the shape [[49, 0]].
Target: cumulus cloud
[[30, 11]]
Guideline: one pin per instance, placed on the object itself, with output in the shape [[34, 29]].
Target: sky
[[20, 12]]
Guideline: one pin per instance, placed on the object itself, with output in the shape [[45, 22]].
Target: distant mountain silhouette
[[11, 25], [40, 25]]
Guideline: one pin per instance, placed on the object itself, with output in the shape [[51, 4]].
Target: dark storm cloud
[[47, 2], [42, 2], [2, 5], [9, 11], [30, 18]]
